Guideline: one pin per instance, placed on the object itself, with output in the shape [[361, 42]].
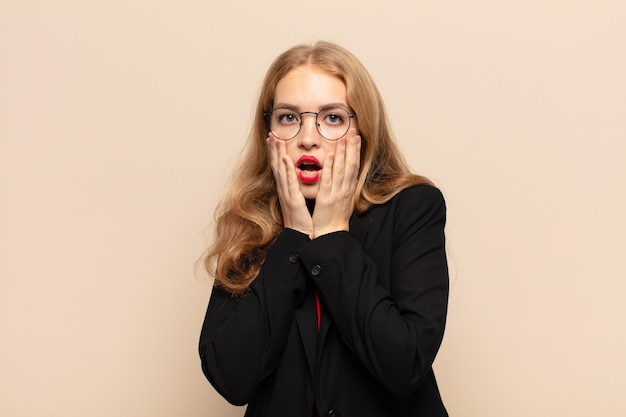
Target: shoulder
[[413, 207], [418, 206], [422, 194], [417, 201]]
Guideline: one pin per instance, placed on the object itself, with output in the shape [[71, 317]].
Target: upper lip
[[308, 160]]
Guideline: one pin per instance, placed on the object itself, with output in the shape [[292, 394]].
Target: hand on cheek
[[292, 203], [335, 200]]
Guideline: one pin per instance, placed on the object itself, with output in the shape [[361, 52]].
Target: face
[[310, 89]]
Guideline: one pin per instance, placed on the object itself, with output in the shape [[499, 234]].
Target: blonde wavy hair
[[249, 218]]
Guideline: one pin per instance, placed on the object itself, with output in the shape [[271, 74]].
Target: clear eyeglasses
[[332, 122]]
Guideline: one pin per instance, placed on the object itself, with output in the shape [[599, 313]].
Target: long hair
[[249, 218]]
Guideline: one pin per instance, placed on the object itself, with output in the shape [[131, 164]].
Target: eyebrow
[[325, 106]]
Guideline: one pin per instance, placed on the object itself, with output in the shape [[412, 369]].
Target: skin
[[310, 88]]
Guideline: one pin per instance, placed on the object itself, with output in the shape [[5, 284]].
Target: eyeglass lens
[[331, 123]]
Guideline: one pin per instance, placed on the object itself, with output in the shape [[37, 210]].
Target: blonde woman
[[331, 279]]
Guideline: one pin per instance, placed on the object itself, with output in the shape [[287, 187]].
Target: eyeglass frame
[[268, 115]]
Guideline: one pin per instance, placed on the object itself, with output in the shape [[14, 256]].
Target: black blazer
[[384, 290]]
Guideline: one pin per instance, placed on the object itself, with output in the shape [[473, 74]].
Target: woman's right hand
[[292, 203]]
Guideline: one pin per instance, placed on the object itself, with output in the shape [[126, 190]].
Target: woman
[[331, 283]]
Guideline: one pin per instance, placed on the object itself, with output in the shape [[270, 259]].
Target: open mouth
[[309, 168], [308, 163]]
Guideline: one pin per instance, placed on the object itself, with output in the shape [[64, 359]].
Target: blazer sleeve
[[396, 329], [242, 337]]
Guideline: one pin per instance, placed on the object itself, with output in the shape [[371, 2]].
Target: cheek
[[291, 149], [330, 147]]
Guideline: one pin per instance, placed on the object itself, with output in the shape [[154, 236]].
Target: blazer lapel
[[307, 325]]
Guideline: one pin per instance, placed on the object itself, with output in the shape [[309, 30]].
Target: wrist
[[317, 232]]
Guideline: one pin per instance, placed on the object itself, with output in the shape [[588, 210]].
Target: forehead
[[310, 87]]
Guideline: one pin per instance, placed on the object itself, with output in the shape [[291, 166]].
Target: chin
[[309, 192]]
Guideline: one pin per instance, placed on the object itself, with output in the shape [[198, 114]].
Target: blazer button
[[315, 271], [293, 258], [333, 413]]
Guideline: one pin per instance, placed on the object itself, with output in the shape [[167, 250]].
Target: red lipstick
[[309, 169]]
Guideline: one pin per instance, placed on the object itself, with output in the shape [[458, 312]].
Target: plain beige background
[[119, 123]]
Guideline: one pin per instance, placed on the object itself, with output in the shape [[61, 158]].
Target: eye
[[286, 117], [334, 117]]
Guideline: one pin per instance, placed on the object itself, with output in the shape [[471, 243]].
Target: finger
[[286, 170], [353, 156], [277, 164], [272, 151], [326, 177], [339, 164], [350, 163], [290, 174]]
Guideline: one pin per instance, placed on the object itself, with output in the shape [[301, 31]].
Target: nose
[[309, 136]]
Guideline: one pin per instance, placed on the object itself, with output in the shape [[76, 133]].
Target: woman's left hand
[[335, 199]]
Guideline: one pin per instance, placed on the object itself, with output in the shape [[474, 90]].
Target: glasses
[[332, 123]]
